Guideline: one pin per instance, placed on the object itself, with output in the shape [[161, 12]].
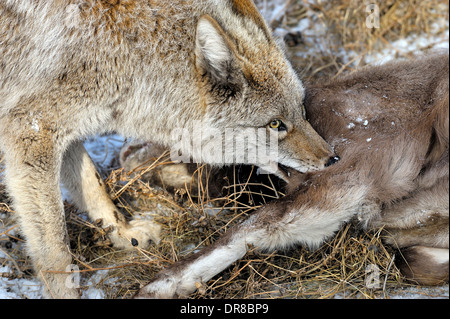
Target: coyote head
[[252, 93]]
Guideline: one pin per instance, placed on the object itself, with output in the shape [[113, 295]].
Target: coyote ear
[[213, 52]]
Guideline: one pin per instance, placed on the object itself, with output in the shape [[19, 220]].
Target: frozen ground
[[104, 149]]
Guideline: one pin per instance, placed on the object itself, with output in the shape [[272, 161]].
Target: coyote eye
[[277, 125]]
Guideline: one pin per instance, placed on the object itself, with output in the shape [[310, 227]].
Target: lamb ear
[[214, 55]]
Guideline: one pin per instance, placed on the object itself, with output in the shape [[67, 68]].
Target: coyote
[[390, 126], [71, 69]]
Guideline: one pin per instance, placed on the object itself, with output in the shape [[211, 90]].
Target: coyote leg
[[89, 193], [32, 178], [283, 223]]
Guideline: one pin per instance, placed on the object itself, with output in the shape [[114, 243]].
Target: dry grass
[[337, 269], [338, 38], [192, 221]]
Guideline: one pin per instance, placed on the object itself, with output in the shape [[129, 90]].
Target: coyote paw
[[136, 233]]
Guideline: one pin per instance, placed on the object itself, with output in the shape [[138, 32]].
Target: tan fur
[[247, 9], [389, 124], [73, 68]]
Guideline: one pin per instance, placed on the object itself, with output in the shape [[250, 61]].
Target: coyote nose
[[332, 160]]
